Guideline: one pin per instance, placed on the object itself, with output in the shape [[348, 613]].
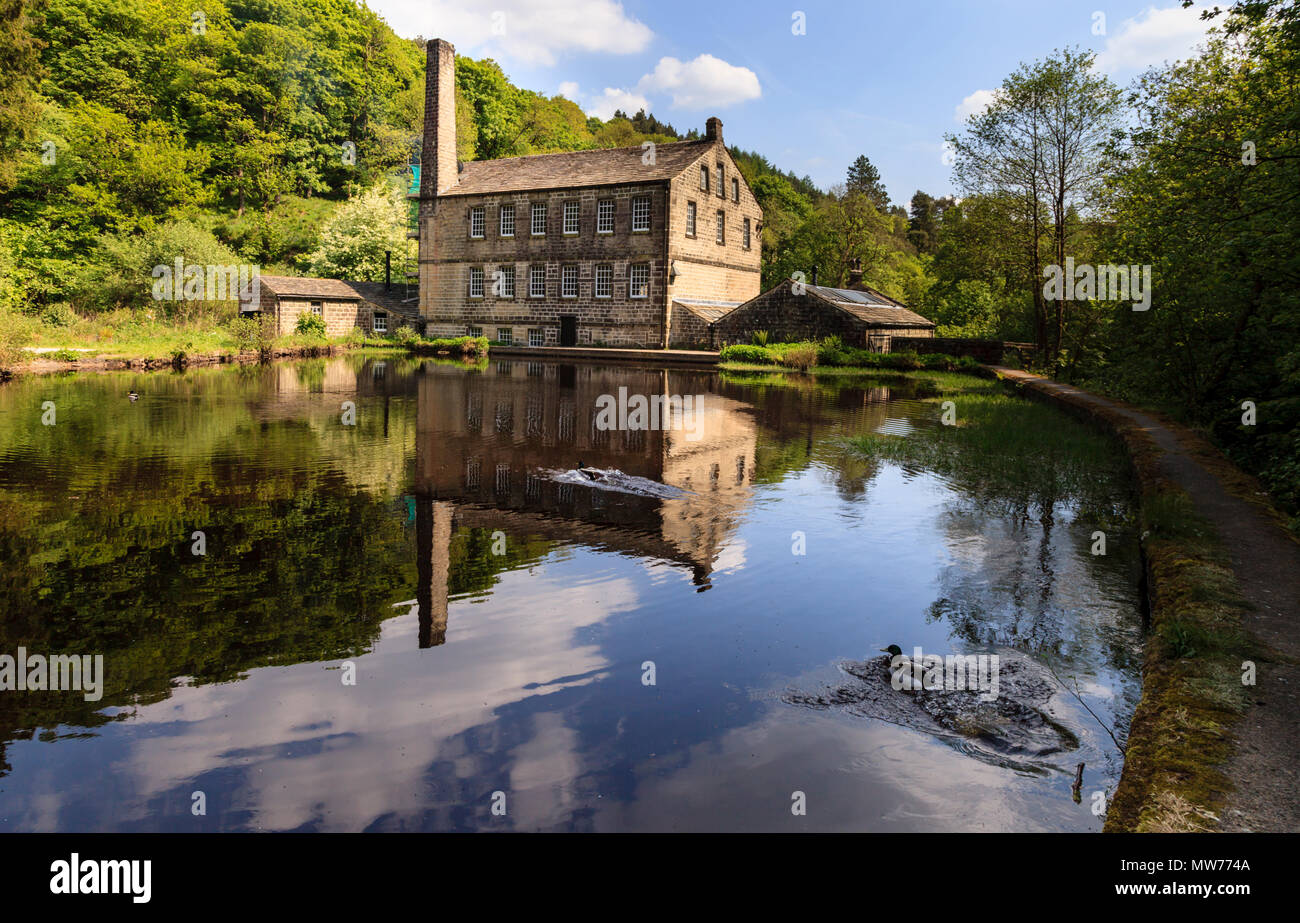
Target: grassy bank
[[831, 353], [145, 339]]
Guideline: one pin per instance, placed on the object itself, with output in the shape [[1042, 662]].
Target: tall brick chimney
[[438, 154], [713, 129]]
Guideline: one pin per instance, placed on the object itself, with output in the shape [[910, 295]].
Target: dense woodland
[[280, 133]]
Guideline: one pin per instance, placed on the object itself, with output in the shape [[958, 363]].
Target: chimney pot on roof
[[855, 272], [713, 129]]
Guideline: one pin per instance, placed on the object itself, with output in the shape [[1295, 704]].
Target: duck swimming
[[132, 396], [591, 474], [903, 677]]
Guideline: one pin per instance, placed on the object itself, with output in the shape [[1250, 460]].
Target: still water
[[406, 622]]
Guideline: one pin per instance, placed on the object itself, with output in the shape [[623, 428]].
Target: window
[[639, 280], [570, 217], [505, 283], [476, 283], [704, 178], [537, 282], [722, 186], [735, 189], [641, 214], [569, 282], [744, 234], [690, 219], [722, 226], [476, 221], [539, 219], [507, 221], [604, 280], [535, 337], [605, 216], [475, 331], [317, 308], [505, 336], [380, 323]]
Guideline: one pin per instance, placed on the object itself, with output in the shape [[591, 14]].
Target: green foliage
[[353, 242], [760, 337], [742, 352], [802, 356], [310, 325]]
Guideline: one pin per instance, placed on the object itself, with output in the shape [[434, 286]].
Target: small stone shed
[[793, 312], [372, 306], [692, 322]]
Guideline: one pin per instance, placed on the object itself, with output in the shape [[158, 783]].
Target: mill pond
[[470, 608]]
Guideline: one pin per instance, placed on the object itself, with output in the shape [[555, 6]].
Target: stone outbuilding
[[797, 311], [376, 308]]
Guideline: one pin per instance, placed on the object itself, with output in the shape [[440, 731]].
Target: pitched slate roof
[[340, 290], [871, 306], [612, 166], [708, 311]]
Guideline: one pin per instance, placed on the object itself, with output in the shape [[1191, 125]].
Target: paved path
[[1265, 769]]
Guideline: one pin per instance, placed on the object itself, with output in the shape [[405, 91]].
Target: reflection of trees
[[308, 540]]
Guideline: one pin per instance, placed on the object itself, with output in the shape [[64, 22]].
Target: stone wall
[[788, 318], [619, 319], [689, 330], [340, 316]]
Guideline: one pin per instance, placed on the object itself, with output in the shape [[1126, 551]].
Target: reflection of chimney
[[388, 269], [713, 129], [433, 565], [438, 155], [855, 273]]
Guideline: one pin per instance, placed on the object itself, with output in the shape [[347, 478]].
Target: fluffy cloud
[[974, 104], [530, 31], [702, 83], [1153, 37], [603, 106]]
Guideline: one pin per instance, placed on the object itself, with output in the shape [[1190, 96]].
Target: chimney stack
[[438, 154], [814, 275], [855, 272], [713, 129]]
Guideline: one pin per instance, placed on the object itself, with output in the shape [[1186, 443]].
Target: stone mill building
[[640, 246]]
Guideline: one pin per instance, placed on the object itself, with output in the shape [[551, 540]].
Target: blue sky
[[882, 79]]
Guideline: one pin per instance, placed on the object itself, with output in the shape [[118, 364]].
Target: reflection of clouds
[[848, 787], [309, 750]]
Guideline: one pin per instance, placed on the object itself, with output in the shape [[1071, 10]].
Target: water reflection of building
[[487, 445]]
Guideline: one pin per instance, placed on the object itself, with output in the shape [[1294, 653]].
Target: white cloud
[[974, 104], [705, 82], [603, 106], [529, 31], [1153, 37], [569, 90]]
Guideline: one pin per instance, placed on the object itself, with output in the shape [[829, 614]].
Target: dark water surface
[[501, 616]]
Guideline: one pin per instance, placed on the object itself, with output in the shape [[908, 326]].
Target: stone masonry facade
[[586, 268]]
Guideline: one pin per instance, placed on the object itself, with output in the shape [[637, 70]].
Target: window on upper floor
[[477, 222], [641, 213], [569, 282], [722, 184], [537, 282], [605, 216], [571, 217], [744, 234], [604, 280], [735, 189], [704, 178], [504, 286], [690, 219], [476, 283], [538, 226], [507, 224], [722, 227]]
